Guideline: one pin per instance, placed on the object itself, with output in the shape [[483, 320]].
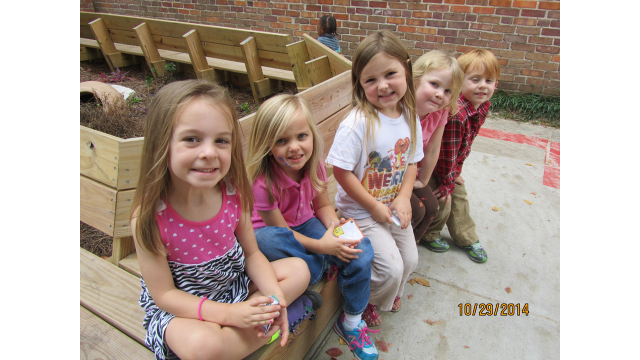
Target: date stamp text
[[489, 309]]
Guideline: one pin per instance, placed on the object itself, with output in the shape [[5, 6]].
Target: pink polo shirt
[[295, 202], [431, 122]]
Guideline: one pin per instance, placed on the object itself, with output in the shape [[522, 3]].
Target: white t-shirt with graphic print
[[379, 167]]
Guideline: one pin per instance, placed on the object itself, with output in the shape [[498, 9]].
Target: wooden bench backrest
[[218, 42]]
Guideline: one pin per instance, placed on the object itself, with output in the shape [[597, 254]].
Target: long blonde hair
[[155, 179], [374, 44], [270, 122], [438, 60]]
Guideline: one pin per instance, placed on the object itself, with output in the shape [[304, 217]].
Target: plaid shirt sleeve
[[447, 160]]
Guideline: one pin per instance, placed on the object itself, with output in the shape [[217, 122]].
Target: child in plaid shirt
[[481, 72]]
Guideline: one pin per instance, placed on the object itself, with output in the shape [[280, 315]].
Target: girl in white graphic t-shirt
[[374, 158]]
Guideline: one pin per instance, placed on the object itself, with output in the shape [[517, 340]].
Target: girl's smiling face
[[433, 92], [200, 146], [294, 147], [384, 80]]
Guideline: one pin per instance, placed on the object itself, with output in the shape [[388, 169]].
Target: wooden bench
[[111, 319], [266, 58]]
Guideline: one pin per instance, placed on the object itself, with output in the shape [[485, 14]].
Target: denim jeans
[[354, 277]]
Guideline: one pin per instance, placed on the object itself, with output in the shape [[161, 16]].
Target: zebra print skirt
[[222, 279]]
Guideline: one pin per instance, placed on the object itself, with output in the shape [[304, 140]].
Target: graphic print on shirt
[[383, 174]]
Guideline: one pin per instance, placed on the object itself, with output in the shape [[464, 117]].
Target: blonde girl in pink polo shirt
[[438, 80], [206, 288], [292, 214]]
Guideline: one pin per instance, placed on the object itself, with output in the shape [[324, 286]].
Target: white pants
[[395, 258]]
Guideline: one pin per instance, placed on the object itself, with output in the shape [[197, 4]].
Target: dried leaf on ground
[[420, 281], [508, 290], [533, 193], [442, 336], [495, 208], [334, 352], [433, 322], [493, 180], [528, 202], [390, 344], [466, 346], [382, 346], [342, 342], [409, 296], [529, 164]]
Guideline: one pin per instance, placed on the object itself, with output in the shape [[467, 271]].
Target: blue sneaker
[[358, 339]]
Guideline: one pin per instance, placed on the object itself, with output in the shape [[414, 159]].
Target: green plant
[[134, 100], [244, 107], [527, 106], [148, 80], [170, 67]]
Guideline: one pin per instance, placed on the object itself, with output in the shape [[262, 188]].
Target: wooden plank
[[329, 97], [124, 199], [297, 57], [252, 63], [97, 205], [149, 49], [130, 151], [87, 53], [181, 57], [112, 294], [198, 58], [101, 34], [99, 340], [109, 159], [216, 34], [318, 70], [263, 87], [122, 247], [316, 49], [328, 128]]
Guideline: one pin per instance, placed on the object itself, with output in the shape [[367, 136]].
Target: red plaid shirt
[[459, 133]]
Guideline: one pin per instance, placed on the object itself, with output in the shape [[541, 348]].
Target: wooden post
[[122, 247], [318, 70], [298, 55], [254, 68], [115, 59], [150, 50], [198, 57]]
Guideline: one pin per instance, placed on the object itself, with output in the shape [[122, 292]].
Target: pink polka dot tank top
[[189, 242]]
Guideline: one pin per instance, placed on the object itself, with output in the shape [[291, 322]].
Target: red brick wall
[[524, 35], [86, 5]]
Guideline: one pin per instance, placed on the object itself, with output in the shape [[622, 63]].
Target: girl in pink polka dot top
[[206, 288]]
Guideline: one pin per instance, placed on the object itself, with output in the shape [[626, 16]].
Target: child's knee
[[201, 345], [299, 268]]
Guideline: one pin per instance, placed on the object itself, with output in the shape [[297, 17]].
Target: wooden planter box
[[109, 170]]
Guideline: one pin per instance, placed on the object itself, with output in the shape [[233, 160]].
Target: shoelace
[[333, 273], [363, 338]]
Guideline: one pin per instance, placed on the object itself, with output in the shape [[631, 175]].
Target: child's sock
[[352, 321]]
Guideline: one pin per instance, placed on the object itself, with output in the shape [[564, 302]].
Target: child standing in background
[[438, 80], [293, 216], [374, 158], [204, 281], [481, 72], [327, 32]]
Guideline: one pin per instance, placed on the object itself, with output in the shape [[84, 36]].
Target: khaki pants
[[395, 258], [455, 215]]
